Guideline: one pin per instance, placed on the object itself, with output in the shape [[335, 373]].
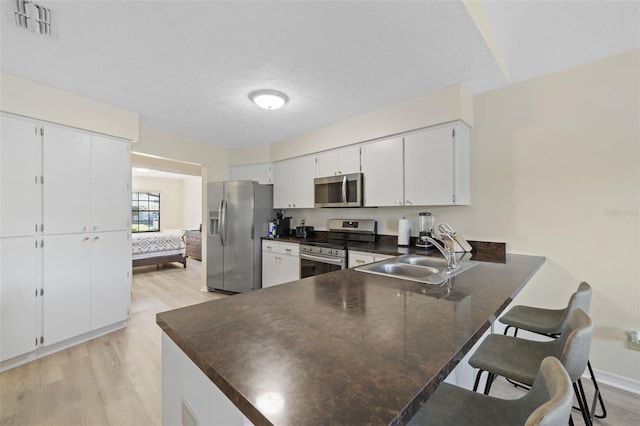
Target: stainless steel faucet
[[448, 253]]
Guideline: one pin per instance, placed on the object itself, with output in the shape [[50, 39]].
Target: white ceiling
[[188, 67], [145, 172]]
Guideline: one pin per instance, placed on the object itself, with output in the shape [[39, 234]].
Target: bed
[[157, 248]]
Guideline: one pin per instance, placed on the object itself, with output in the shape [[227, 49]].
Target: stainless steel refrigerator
[[239, 215]]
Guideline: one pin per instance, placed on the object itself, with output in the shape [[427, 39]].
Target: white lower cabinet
[[280, 263], [359, 258], [110, 278], [86, 284], [19, 296], [67, 308]]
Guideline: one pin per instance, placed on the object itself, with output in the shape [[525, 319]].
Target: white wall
[[555, 171], [24, 97], [191, 202]]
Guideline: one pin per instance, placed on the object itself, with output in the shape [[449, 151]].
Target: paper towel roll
[[404, 230]]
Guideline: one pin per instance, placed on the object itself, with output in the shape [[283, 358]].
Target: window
[[145, 212]]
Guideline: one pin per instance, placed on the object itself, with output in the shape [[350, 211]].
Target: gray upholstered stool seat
[[537, 320], [547, 321], [548, 403], [520, 359]]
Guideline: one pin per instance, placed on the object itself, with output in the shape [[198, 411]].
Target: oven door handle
[[329, 260]]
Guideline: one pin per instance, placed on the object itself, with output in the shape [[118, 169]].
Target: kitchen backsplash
[[387, 217]]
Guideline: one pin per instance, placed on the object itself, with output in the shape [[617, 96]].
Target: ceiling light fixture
[[268, 99]]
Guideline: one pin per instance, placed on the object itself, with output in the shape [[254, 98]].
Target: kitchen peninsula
[[345, 347]]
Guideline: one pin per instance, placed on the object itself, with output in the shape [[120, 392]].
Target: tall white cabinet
[[64, 236]]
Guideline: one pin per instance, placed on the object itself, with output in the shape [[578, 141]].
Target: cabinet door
[[357, 258], [18, 283], [341, 161], [110, 277], [260, 173], [382, 166], [302, 181], [327, 163], [110, 184], [67, 289], [349, 160], [20, 173], [67, 181], [270, 269], [429, 167], [289, 269], [282, 184]]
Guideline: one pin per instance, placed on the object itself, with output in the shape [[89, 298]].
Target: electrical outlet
[[633, 340]]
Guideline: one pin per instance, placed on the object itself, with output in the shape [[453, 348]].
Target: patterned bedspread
[[156, 243]]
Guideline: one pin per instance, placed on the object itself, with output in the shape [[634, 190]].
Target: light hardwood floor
[[115, 379], [111, 380]]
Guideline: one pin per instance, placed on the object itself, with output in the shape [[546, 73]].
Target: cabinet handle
[[95, 228], [269, 247], [293, 205], [398, 202], [85, 239], [96, 238], [339, 172], [86, 228], [407, 202], [287, 250], [359, 261]]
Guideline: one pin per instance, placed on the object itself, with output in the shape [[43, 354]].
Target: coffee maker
[[426, 221], [283, 225]]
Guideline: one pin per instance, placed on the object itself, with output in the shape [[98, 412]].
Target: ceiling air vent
[[34, 17]]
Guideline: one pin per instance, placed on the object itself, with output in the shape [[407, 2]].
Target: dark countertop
[[345, 347]]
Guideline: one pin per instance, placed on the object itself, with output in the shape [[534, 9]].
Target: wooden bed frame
[[159, 260]]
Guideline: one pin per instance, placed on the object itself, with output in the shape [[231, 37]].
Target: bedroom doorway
[[166, 202]]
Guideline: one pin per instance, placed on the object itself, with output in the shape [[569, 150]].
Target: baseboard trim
[[57, 347], [616, 381]]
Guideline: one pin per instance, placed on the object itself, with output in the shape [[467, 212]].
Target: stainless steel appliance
[[239, 215], [321, 257], [338, 191]]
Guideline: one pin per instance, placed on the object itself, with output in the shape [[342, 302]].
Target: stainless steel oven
[[321, 257], [316, 260]]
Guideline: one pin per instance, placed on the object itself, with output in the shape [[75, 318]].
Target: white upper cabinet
[[340, 161], [67, 181], [110, 184], [20, 188], [87, 182], [260, 173], [436, 166], [426, 168], [383, 175], [293, 183]]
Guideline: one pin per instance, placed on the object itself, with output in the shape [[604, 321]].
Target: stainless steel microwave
[[338, 191]]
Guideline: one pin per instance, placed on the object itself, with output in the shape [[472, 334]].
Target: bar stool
[[548, 403], [520, 359], [549, 322]]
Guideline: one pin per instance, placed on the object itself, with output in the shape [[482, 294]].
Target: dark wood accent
[[160, 260]]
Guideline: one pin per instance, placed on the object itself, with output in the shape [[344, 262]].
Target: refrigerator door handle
[[223, 221]]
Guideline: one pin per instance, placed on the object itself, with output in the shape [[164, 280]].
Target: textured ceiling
[[187, 67]]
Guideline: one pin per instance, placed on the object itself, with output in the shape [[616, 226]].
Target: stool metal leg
[[581, 403], [598, 394]]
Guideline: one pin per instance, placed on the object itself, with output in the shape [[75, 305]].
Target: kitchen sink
[[423, 269]]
